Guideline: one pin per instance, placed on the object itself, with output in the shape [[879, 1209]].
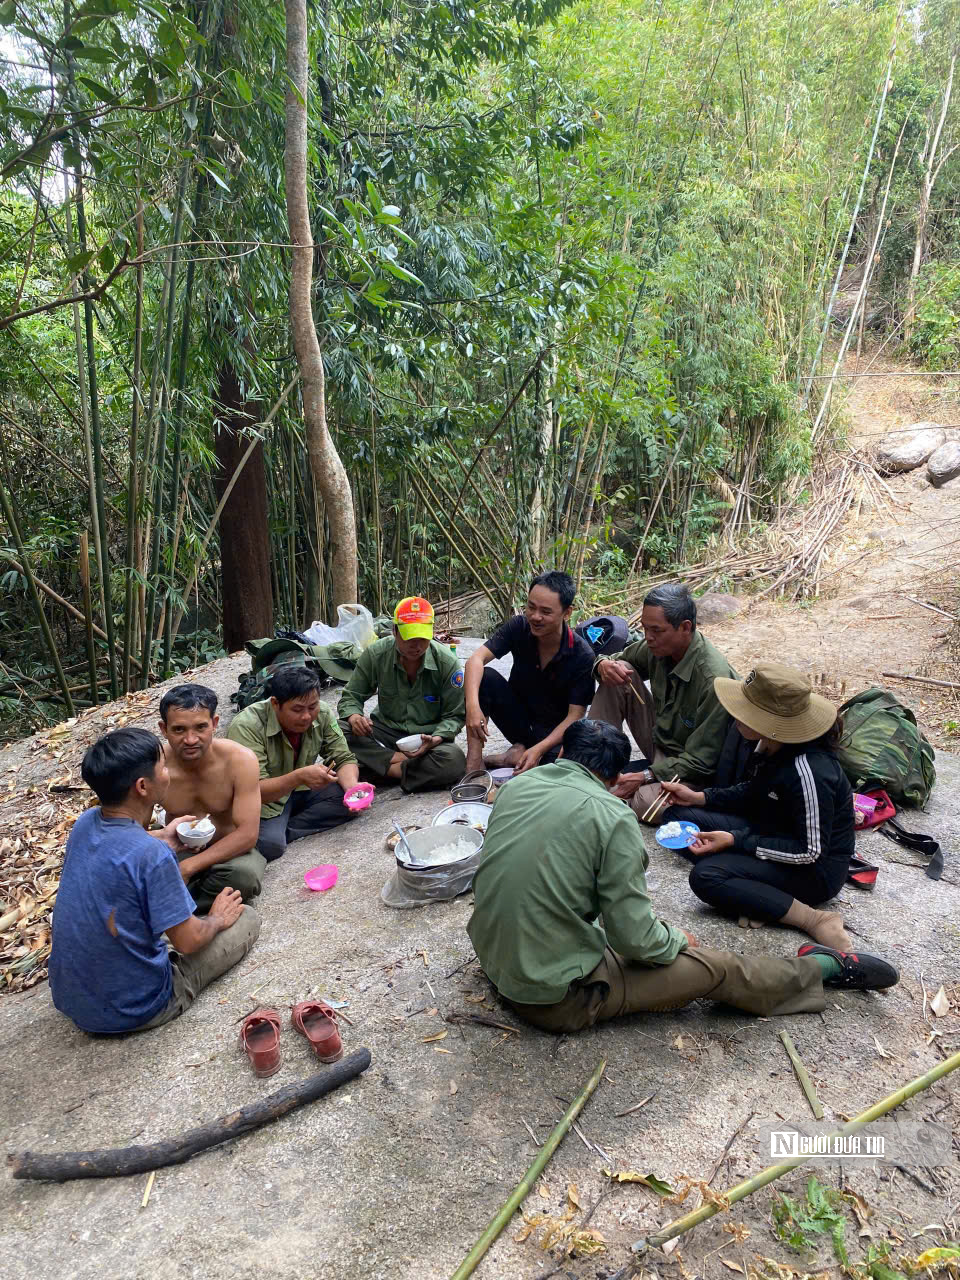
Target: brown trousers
[[764, 985], [613, 704], [191, 974]]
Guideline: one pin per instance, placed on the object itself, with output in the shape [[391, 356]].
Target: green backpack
[[883, 749], [333, 662]]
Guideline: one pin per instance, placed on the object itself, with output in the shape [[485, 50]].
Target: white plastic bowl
[[196, 835], [412, 742]]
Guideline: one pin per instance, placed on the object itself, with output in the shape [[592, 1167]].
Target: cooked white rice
[[671, 830], [455, 851]]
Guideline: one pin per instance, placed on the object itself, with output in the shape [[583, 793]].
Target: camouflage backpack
[[883, 749], [334, 663]]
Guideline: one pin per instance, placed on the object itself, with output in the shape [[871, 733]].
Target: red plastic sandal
[[260, 1037], [318, 1023]]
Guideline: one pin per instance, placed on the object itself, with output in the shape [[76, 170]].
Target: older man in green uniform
[[419, 688], [561, 851], [305, 765], [677, 723]]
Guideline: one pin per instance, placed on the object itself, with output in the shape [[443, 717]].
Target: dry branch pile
[[798, 549], [35, 820]]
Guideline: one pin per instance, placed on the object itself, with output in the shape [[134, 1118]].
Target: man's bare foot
[[474, 761], [508, 759]]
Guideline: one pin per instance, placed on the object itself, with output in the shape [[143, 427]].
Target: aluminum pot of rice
[[442, 866]]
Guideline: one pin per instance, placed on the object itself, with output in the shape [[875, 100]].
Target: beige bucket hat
[[777, 702]]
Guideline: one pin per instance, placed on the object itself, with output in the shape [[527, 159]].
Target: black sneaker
[[636, 766], [860, 972]]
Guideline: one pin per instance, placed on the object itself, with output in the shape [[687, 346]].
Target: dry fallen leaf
[[645, 1179], [670, 1245], [732, 1266], [880, 1049], [573, 1195], [453, 1087], [678, 1042], [543, 1191], [437, 1049], [439, 1035], [940, 1005], [739, 1230]]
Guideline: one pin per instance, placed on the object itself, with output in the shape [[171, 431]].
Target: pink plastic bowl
[[321, 878], [359, 796]]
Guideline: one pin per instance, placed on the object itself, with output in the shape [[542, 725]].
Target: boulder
[[714, 606], [910, 448], [944, 463]]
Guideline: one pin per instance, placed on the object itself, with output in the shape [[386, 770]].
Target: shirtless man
[[215, 776]]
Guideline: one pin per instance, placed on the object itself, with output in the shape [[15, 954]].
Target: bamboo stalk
[[132, 474], [525, 1185], [88, 615], [6, 503], [803, 1076], [774, 1171]]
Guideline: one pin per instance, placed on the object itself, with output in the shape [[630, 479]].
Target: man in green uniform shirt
[[561, 851], [677, 723], [305, 765], [419, 688]]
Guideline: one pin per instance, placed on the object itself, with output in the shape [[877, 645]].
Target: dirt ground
[[395, 1175]]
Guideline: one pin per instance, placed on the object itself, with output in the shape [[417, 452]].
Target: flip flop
[[318, 1022], [260, 1037]]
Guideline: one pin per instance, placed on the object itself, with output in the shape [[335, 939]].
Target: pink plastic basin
[[321, 878]]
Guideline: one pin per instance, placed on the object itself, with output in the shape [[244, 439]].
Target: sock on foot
[[829, 967]]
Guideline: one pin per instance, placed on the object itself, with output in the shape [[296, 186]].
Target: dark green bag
[[883, 749], [333, 662]]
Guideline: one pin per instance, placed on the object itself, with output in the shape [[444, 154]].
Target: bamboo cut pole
[[774, 1171], [525, 1185]]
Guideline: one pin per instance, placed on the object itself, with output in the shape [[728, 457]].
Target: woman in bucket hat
[[776, 846]]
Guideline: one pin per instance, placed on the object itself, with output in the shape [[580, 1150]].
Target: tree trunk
[[244, 529], [328, 470]]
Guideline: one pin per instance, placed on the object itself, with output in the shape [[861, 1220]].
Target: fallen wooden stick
[[933, 608], [120, 1162], [941, 684], [774, 1171], [481, 1020], [803, 1076], [525, 1185]]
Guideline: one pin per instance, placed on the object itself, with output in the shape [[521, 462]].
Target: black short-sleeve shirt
[[548, 693]]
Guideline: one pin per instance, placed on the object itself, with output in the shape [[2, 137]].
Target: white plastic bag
[[354, 623]]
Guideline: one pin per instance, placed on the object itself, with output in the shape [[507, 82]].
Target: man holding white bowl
[[420, 708]]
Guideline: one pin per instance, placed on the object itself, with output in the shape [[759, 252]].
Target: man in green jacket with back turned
[[560, 851], [419, 688], [678, 723]]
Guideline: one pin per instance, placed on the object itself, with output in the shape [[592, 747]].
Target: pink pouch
[[863, 807]]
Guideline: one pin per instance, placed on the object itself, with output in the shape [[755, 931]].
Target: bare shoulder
[[235, 757]]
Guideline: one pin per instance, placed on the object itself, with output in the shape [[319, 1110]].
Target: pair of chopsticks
[[659, 803]]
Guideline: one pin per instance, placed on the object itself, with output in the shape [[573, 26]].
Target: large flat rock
[[396, 1175]]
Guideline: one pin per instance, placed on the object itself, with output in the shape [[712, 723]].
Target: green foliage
[[798, 1222], [935, 337]]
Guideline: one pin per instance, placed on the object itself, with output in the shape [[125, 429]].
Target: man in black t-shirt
[[550, 686]]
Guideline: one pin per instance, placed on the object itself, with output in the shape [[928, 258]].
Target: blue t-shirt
[[120, 889]]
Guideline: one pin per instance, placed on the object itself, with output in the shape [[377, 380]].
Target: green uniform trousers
[[765, 985], [437, 770], [194, 972], [243, 873]]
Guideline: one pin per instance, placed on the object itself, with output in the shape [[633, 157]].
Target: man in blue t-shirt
[[121, 890]]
